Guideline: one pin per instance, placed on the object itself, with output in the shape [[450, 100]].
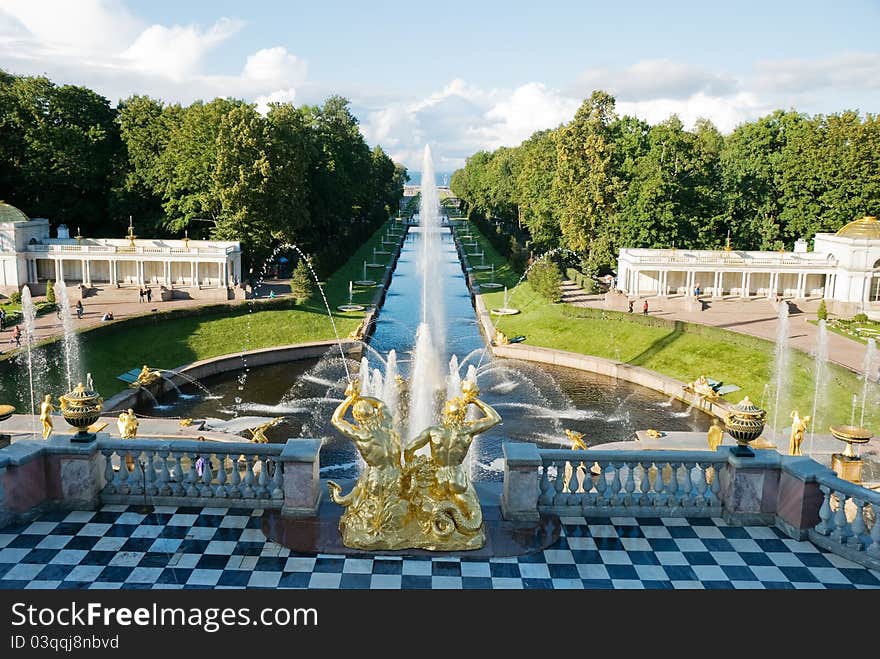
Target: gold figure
[[257, 434], [798, 426], [500, 338], [716, 434], [653, 434], [46, 409], [357, 333], [185, 423], [146, 377], [701, 387], [577, 442], [127, 423], [576, 438]]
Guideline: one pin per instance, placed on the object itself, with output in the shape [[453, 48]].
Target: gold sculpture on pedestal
[[702, 387], [127, 424], [425, 502], [798, 426], [715, 435], [577, 442], [146, 377], [258, 434], [500, 338], [46, 409]]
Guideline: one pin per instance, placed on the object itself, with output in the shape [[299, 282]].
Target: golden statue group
[[403, 500]]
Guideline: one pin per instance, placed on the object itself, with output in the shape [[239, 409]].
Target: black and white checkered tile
[[116, 547]]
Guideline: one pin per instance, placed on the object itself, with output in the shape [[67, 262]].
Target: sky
[[461, 76]]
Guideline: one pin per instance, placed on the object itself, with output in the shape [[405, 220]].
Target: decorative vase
[[848, 465], [81, 408], [745, 423]]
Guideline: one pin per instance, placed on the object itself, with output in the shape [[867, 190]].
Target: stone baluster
[[687, 487], [205, 487], [135, 478], [150, 474], [263, 480], [247, 486], [546, 493], [601, 485], [858, 526], [659, 486], [630, 485], [162, 485], [122, 486], [672, 490], [192, 476], [178, 480], [825, 525], [235, 486], [277, 480], [713, 496], [109, 473], [615, 498], [644, 494], [841, 526], [220, 491], [700, 486], [560, 498], [874, 548]]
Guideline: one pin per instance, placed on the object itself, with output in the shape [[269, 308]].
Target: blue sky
[[461, 75]]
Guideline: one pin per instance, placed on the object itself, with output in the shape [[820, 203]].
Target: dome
[[11, 213], [866, 228]]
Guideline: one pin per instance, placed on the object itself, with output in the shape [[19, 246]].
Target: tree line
[[603, 181], [210, 170]]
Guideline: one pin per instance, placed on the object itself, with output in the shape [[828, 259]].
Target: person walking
[[141, 295], [631, 302], [2, 319], [79, 309], [16, 335], [645, 308], [149, 293]]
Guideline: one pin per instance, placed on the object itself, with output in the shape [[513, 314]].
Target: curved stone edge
[[619, 370]]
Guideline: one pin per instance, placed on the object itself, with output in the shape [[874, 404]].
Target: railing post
[[799, 500], [750, 489], [519, 498], [302, 484], [74, 473]]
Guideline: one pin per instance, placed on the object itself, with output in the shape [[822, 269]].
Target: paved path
[[756, 317]]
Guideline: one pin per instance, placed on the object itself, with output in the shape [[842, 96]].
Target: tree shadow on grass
[[659, 345]]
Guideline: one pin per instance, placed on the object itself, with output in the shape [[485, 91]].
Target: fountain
[[868, 368], [29, 313], [483, 265], [492, 285], [350, 306], [71, 343], [505, 309], [780, 365], [364, 281], [821, 360]]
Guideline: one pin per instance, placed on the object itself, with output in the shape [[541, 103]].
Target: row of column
[[33, 276], [632, 283]]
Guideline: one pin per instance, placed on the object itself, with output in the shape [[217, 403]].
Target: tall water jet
[[71, 342], [391, 390], [780, 364], [821, 376], [453, 380], [28, 314], [426, 376], [867, 369]]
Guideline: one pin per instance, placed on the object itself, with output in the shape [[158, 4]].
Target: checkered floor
[[116, 547]]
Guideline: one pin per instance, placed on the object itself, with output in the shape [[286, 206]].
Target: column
[[689, 283], [192, 273], [87, 272], [771, 289], [802, 285], [59, 270], [718, 286], [636, 275], [748, 284], [113, 276], [139, 267], [828, 286], [743, 290], [221, 272], [661, 284], [169, 278]]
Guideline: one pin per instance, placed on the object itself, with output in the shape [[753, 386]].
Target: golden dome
[[11, 213], [867, 227]]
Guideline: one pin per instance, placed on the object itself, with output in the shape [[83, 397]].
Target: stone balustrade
[[848, 520], [240, 474]]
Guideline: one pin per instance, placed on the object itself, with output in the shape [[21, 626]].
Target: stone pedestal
[[519, 497], [302, 484], [750, 488], [74, 472], [846, 467], [799, 497]]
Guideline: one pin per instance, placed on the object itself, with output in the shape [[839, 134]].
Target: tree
[[546, 279], [50, 292], [538, 210], [822, 311], [302, 286]]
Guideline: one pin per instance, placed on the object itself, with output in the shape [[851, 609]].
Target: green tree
[[302, 286], [546, 279], [822, 311], [538, 209], [50, 292]]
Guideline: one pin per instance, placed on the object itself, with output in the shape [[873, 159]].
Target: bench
[[129, 376]]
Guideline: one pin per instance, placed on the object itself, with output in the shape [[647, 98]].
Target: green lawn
[[680, 350], [171, 339], [852, 329]]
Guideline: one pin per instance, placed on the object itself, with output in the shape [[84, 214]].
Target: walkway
[[757, 317], [176, 547]]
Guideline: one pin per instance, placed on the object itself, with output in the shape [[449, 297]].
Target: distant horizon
[[514, 69]]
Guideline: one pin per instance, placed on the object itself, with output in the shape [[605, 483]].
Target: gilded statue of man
[[373, 518], [127, 424], [798, 426], [46, 409]]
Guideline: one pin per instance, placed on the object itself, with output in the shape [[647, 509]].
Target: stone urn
[[848, 465], [745, 423], [81, 408]]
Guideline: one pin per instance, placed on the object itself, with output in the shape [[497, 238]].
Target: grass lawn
[[178, 337], [852, 329], [682, 350]]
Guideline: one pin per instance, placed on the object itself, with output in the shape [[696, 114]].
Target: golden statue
[[185, 423], [500, 338], [715, 434], [576, 438], [798, 426], [146, 377], [46, 409], [423, 502], [701, 387], [257, 434], [653, 433], [577, 442], [127, 423], [357, 333]]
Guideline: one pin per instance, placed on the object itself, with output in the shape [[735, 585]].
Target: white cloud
[[529, 108], [847, 71], [726, 112], [280, 96], [651, 79], [275, 65]]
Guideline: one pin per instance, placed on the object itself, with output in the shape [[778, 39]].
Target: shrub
[[546, 279], [15, 297], [50, 292], [860, 318], [822, 311], [301, 283]]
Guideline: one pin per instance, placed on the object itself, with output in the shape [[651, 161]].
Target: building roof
[[11, 213], [867, 227]]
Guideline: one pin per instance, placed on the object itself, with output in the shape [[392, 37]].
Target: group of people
[[644, 307], [145, 294]]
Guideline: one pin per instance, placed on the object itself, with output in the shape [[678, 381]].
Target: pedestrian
[[2, 319], [141, 295], [149, 294], [16, 335], [79, 309], [645, 308], [631, 302]]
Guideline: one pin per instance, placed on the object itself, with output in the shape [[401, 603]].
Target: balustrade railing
[[599, 482], [848, 520], [183, 472]]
